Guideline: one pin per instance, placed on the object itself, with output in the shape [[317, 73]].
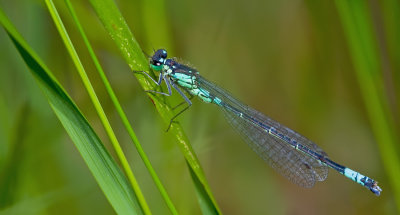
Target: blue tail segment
[[363, 180]]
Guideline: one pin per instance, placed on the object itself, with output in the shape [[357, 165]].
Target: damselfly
[[294, 156]]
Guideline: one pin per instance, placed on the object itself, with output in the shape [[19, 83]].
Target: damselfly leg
[[169, 83], [187, 100]]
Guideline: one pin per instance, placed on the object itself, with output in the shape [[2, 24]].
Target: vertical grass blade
[[103, 167], [121, 113], [97, 105], [363, 48], [205, 202], [119, 31], [155, 14]]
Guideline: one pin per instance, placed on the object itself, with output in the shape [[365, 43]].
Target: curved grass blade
[[363, 49], [121, 112], [103, 167], [119, 31], [155, 14], [92, 94]]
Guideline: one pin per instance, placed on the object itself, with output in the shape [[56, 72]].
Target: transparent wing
[[299, 168]]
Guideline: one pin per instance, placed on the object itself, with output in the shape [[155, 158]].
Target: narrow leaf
[[362, 43], [103, 167], [119, 31]]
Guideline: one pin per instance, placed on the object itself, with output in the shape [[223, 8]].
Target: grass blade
[[206, 205], [103, 167], [119, 31], [122, 113], [363, 48], [97, 105], [155, 14]]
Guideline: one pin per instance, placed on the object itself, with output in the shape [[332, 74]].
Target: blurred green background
[[291, 60]]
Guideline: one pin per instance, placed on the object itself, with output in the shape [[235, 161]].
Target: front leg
[[147, 74], [163, 77], [158, 83]]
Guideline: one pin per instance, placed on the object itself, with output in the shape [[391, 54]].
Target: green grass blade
[[155, 14], [206, 205], [119, 31], [97, 105], [103, 167], [363, 48], [122, 113]]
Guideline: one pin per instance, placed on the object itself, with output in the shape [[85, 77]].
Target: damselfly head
[[158, 59]]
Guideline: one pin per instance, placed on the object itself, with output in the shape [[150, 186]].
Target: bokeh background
[[288, 59]]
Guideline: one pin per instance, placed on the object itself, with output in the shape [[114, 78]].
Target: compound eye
[[163, 53]]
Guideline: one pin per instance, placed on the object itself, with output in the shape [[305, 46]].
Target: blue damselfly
[[289, 153]]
